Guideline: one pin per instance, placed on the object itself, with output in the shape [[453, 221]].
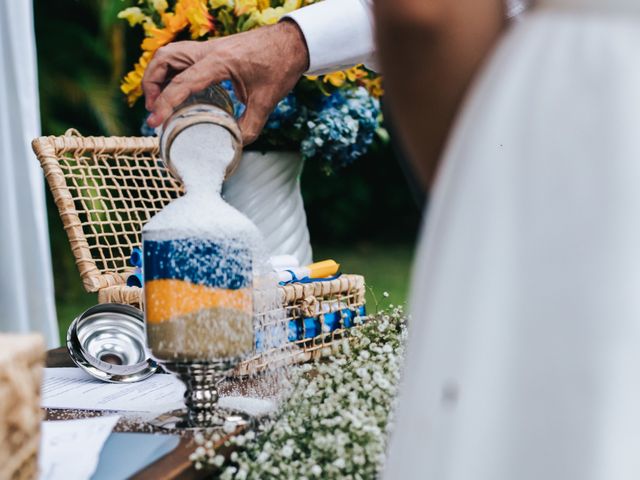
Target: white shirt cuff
[[339, 34]]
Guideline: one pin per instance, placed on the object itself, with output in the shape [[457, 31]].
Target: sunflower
[[132, 83]]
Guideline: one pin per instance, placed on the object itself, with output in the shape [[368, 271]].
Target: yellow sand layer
[[166, 299]]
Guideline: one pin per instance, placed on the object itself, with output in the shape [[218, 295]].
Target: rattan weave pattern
[[106, 189], [308, 300], [296, 301], [21, 362]]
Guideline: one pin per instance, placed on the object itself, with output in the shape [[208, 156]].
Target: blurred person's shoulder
[[515, 8]]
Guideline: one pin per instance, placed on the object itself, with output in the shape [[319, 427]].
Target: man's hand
[[263, 66]]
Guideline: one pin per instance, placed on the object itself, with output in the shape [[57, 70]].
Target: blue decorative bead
[[312, 327], [332, 321], [135, 279], [347, 318], [146, 130], [136, 257], [294, 330]]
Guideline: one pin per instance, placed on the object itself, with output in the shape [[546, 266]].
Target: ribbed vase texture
[[266, 188]]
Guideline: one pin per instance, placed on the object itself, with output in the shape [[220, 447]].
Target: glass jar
[[199, 251], [211, 105]]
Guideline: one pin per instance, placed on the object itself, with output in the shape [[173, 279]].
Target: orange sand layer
[[167, 299]]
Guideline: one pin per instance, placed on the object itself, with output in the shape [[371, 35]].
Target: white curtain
[[26, 284]]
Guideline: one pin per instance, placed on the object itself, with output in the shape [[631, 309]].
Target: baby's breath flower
[[340, 409], [287, 451]]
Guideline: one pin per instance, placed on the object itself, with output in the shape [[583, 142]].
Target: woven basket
[[107, 188], [21, 362]]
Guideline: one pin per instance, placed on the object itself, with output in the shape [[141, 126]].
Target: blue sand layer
[[198, 261]]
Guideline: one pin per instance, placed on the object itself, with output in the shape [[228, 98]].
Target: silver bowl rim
[[81, 358]]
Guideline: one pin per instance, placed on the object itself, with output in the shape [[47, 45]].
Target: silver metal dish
[[108, 341]]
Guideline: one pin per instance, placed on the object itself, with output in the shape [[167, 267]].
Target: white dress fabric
[[26, 285], [524, 352], [516, 8]]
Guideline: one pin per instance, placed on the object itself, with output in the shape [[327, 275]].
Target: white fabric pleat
[[26, 285], [524, 348]]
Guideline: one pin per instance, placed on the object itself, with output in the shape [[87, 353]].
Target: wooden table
[[175, 464]]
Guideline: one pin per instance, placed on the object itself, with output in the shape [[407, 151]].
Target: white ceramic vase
[[266, 188]]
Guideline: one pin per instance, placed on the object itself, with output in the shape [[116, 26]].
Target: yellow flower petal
[[374, 86], [291, 5], [272, 15], [355, 73], [220, 3], [160, 6], [336, 79], [132, 83], [133, 15], [245, 6], [156, 38], [197, 14]]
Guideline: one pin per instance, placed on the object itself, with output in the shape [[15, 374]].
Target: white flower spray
[[336, 423]]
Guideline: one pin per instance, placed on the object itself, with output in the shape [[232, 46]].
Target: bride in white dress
[[524, 353]]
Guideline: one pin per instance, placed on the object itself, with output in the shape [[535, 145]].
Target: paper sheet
[[75, 389], [70, 449]]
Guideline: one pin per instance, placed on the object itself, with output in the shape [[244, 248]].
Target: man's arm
[[430, 50], [339, 34]]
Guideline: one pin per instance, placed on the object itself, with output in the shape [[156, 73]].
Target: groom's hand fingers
[[172, 58], [191, 80]]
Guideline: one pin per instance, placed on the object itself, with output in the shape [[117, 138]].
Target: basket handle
[[72, 132]]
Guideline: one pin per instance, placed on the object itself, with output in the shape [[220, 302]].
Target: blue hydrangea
[[343, 129], [145, 129], [285, 113], [238, 106]]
